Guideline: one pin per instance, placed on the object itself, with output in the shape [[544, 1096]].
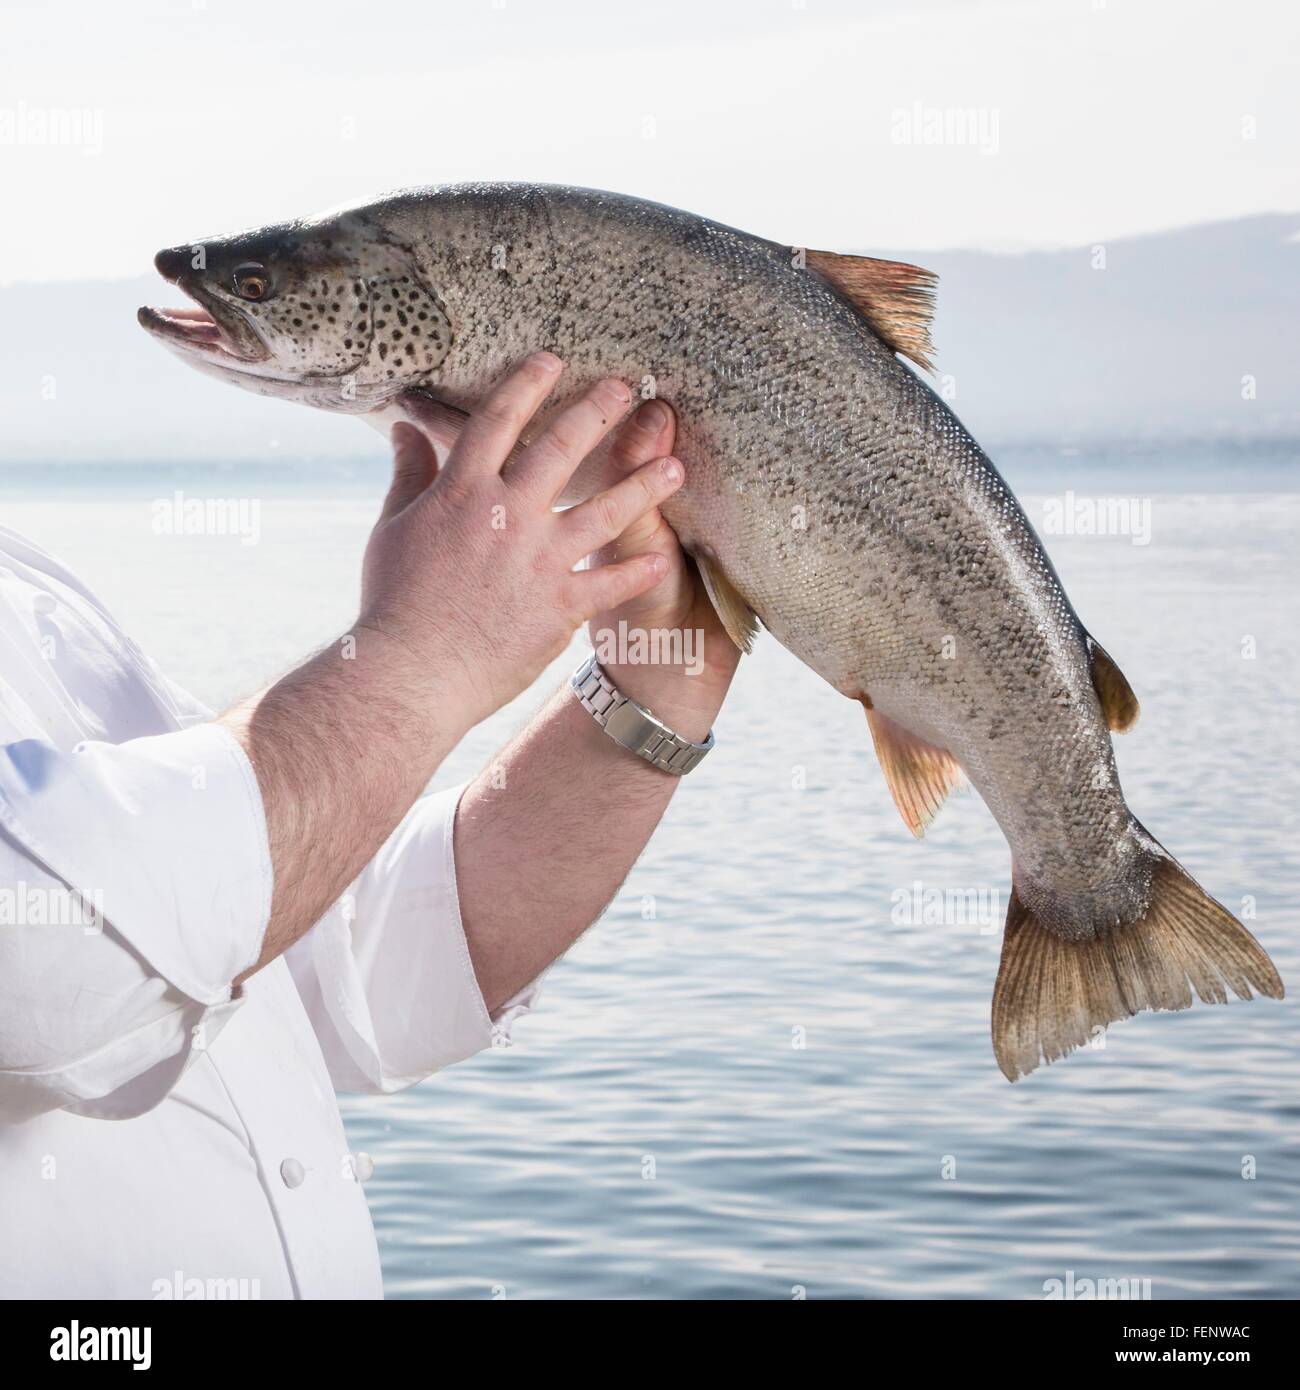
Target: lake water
[[757, 1075]]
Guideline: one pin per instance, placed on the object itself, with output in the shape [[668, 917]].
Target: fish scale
[[829, 493]]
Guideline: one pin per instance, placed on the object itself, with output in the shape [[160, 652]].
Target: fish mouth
[[211, 328]]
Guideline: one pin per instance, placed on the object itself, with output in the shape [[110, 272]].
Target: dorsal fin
[[895, 298], [1119, 705], [918, 774]]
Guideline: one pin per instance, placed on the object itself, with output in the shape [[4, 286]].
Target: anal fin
[[739, 619], [1119, 705], [919, 775]]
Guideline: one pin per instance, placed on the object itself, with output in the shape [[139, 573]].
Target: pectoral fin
[[442, 423], [918, 774], [736, 615]]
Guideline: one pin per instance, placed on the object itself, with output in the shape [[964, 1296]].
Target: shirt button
[[363, 1167], [292, 1173]]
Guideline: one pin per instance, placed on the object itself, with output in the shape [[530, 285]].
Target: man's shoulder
[[15, 546], [24, 556]]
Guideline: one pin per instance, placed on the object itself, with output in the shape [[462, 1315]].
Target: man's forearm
[[549, 830], [341, 747], [458, 615]]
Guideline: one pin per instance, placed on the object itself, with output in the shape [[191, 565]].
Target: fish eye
[[252, 282]]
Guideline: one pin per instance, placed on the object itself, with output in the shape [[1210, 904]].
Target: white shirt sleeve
[[137, 882], [386, 975], [135, 886]]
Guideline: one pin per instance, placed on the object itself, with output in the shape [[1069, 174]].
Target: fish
[[831, 496]]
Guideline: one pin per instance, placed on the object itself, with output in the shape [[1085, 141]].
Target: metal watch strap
[[632, 726]]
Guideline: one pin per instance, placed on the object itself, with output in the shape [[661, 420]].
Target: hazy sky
[[128, 125]]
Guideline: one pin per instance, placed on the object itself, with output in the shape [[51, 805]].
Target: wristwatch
[[633, 726]]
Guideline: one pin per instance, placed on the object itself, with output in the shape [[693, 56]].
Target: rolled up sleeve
[[138, 879], [386, 976]]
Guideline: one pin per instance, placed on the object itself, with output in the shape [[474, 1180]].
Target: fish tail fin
[[1053, 995]]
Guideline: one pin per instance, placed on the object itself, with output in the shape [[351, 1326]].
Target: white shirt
[[158, 1136]]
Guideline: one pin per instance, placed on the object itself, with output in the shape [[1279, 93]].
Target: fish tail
[[1053, 995]]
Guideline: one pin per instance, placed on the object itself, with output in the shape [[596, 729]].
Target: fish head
[[332, 313]]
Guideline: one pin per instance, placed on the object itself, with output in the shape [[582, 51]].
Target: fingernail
[[619, 389], [547, 361], [672, 470], [652, 417]]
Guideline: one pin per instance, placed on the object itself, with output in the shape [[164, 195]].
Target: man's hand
[[687, 693], [471, 572], [546, 835], [468, 593]]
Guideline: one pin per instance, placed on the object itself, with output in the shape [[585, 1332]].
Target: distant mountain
[[1154, 346], [1039, 348]]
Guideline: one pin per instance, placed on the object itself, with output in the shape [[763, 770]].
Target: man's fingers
[[606, 516], [552, 458], [610, 586], [415, 465], [647, 434], [493, 428]]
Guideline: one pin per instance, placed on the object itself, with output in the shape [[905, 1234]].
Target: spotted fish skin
[[845, 504], [840, 496]]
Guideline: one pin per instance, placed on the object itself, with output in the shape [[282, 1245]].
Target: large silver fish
[[829, 493]]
